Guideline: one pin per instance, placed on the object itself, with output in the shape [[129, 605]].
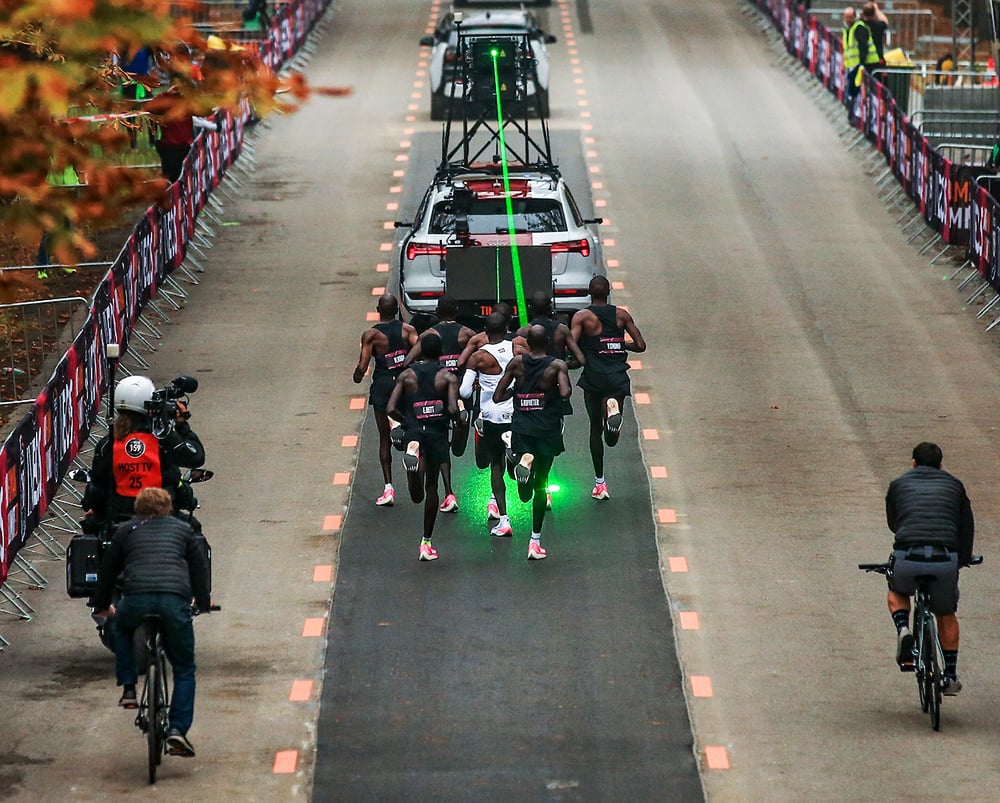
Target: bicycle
[[927, 657], [154, 701]]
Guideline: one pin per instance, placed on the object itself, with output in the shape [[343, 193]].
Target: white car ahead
[[444, 67]]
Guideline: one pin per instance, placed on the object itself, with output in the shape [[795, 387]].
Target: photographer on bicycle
[[131, 457], [928, 510], [162, 569]]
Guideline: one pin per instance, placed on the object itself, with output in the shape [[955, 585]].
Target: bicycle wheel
[[920, 669], [156, 731], [932, 672]]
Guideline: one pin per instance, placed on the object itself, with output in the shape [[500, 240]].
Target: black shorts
[[381, 390], [909, 564], [606, 385], [434, 446], [491, 440], [540, 446]]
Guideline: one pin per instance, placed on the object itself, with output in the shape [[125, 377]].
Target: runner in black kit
[[601, 330], [425, 401], [539, 385], [454, 337], [561, 340], [388, 343]]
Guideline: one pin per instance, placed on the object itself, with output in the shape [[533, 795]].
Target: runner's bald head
[[496, 324], [430, 346], [388, 306], [538, 338], [540, 303], [599, 288]]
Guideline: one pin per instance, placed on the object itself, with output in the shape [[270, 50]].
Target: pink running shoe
[[387, 499], [449, 505], [427, 552], [600, 491], [492, 511], [535, 551], [503, 529]]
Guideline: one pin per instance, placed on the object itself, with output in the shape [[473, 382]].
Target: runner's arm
[[638, 344], [504, 390], [364, 358]]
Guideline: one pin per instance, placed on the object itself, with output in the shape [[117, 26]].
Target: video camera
[[162, 408]]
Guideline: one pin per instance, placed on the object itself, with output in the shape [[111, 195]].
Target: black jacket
[[154, 555], [929, 506]]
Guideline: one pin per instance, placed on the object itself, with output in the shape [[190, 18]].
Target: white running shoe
[[503, 528]]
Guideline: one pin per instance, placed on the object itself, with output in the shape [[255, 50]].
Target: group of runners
[[511, 388]]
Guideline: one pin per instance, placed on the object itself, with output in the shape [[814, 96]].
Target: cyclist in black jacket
[[928, 510], [162, 569]]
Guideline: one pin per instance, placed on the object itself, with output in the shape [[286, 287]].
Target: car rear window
[[489, 216]]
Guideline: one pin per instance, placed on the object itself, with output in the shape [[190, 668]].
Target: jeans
[[178, 640]]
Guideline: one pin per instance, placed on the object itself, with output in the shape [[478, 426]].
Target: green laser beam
[[522, 308]]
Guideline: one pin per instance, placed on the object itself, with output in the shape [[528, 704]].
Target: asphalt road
[[798, 350]]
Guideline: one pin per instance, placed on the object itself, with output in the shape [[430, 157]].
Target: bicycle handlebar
[[882, 568], [196, 611]]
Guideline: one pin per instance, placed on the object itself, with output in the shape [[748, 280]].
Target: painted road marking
[[359, 403], [642, 398], [301, 691], [678, 564], [285, 762], [651, 434], [716, 757], [342, 478], [612, 263], [658, 472], [314, 627], [610, 242], [349, 441], [666, 515], [323, 574], [332, 523], [382, 267], [617, 285], [701, 686], [385, 247], [600, 203], [689, 620], [635, 365]]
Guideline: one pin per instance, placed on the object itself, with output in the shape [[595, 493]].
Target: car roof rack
[[491, 118]]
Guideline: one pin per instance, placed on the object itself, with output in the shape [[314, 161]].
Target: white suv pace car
[[444, 66], [544, 214]]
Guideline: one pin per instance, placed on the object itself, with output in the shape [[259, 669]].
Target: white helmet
[[133, 392]]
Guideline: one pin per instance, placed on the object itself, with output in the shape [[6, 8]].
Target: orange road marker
[[301, 691], [635, 365], [342, 478], [392, 206], [689, 620], [395, 189], [600, 203], [402, 157], [398, 174], [613, 263], [716, 757], [658, 472], [382, 267], [651, 434], [323, 574], [610, 242], [642, 398], [678, 564], [595, 168], [285, 762], [349, 441], [388, 225], [406, 143], [385, 247], [331, 523], [598, 185], [314, 628], [358, 403], [701, 686], [666, 515], [617, 285], [378, 291], [371, 316]]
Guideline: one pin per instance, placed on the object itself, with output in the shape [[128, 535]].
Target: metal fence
[[30, 333]]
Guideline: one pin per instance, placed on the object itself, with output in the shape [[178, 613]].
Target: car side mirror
[[427, 41], [594, 220], [402, 224]]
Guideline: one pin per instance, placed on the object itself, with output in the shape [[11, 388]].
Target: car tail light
[[571, 291], [414, 250], [572, 247], [428, 294], [450, 55]]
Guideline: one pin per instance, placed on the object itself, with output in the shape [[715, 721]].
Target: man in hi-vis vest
[[859, 51]]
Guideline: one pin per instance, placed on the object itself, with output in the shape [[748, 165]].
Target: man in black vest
[[425, 401], [928, 510], [539, 385], [601, 330], [387, 343]]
